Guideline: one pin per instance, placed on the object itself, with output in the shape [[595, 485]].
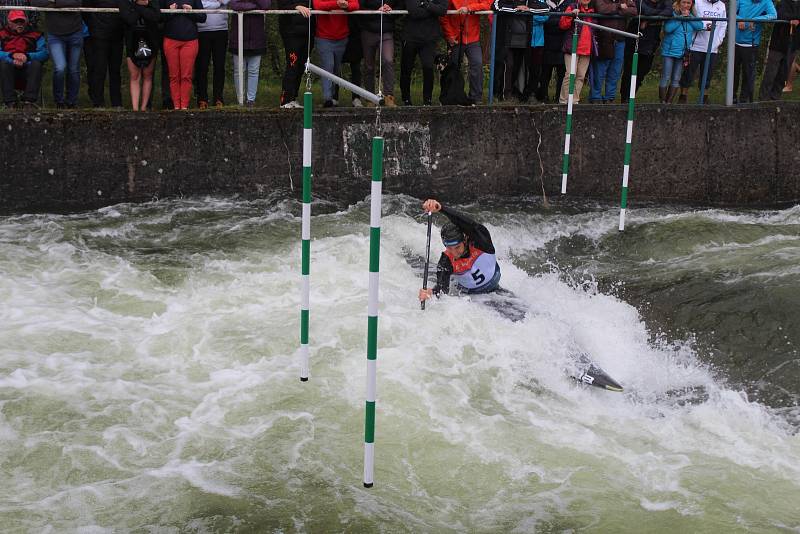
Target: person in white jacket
[[213, 36], [699, 47]]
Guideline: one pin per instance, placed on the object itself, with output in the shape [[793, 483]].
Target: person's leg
[[614, 71], [172, 53], [749, 69], [666, 73], [253, 69], [793, 70], [387, 66], [58, 52], [115, 69], [166, 90], [369, 45], [427, 53], [408, 56], [338, 54], [564, 94], [7, 78], [295, 54], [219, 53], [188, 58], [135, 77], [581, 70], [101, 51], [535, 58], [645, 66], [147, 83], [475, 60], [326, 60], [598, 68], [33, 81], [74, 47], [201, 68]]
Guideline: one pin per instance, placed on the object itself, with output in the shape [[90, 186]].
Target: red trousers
[[180, 63]]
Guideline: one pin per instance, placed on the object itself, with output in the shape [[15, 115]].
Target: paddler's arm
[[476, 232], [443, 271]]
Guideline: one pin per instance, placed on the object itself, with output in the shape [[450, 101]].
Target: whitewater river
[[149, 378]]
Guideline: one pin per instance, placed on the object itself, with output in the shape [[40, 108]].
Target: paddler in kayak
[[468, 255]]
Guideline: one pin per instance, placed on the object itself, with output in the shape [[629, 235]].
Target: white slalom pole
[[372, 309]]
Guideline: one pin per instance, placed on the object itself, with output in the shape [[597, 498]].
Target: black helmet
[[452, 235]]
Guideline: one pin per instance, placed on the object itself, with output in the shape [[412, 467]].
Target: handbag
[[143, 50]]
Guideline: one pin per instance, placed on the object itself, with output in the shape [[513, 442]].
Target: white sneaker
[[294, 104], [357, 102], [335, 102]]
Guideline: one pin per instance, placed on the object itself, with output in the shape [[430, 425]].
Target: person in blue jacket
[[22, 53], [678, 35], [748, 37]]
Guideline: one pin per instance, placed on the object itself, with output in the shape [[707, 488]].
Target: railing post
[[731, 39], [240, 57]]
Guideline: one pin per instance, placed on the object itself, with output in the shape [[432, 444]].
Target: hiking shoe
[[683, 99], [202, 104], [219, 104], [389, 101], [328, 104], [292, 104], [357, 102], [407, 102]]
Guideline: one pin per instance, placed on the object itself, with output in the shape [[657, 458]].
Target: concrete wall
[[710, 155]]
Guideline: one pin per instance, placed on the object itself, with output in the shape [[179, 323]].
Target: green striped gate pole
[[628, 140], [568, 133], [305, 236], [372, 310]]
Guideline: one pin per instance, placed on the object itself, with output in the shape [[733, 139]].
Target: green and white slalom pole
[[305, 236], [372, 310], [628, 140], [571, 99]]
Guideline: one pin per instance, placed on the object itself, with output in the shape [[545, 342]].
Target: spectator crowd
[[533, 49]]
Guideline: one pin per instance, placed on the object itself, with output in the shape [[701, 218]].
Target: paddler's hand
[[425, 294], [431, 205]]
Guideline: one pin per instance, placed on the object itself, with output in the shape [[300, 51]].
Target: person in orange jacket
[[463, 35]]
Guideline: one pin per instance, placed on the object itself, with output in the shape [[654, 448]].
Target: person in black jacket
[[783, 45], [294, 32], [553, 58], [65, 42], [469, 255], [107, 33], [181, 46], [648, 44], [142, 44], [421, 37], [371, 37]]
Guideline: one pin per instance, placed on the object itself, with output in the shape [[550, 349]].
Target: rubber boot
[[662, 94], [683, 98], [671, 92]]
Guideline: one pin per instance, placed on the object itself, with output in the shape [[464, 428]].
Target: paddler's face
[[457, 250]]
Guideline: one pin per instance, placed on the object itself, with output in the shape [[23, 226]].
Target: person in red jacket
[[463, 35], [331, 40], [584, 52]]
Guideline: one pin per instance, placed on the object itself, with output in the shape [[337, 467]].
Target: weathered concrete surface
[[711, 155]]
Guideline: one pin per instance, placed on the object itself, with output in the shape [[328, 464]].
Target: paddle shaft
[[427, 258]]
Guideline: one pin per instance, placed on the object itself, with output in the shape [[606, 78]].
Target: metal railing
[[732, 20]]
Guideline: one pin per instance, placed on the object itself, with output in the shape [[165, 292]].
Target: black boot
[[671, 92]]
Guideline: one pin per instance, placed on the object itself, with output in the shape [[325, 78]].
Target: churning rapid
[[149, 378]]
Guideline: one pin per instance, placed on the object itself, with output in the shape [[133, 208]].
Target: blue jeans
[[330, 59], [605, 73], [671, 70], [66, 53], [252, 66]]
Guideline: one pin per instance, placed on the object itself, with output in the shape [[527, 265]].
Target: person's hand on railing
[[303, 10], [522, 7], [463, 10], [385, 8], [186, 7], [342, 4]]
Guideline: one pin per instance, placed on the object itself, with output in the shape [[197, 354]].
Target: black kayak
[[593, 375]]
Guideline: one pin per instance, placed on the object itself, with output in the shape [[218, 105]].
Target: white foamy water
[[149, 382]]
